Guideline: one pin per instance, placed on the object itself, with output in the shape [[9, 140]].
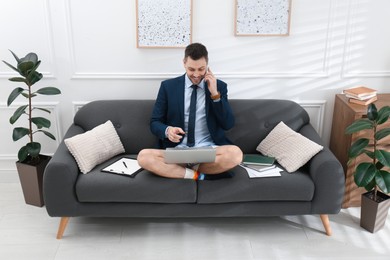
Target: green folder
[[257, 159]]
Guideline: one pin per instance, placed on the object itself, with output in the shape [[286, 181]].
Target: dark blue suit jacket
[[169, 111]]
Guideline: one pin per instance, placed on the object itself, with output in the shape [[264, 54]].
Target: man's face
[[196, 69]]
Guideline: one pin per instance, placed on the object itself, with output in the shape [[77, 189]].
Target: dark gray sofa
[[316, 188]]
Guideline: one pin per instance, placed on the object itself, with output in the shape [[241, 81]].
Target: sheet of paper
[[275, 172], [123, 166]]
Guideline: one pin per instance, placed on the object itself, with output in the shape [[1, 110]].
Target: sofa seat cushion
[[289, 187], [145, 187]]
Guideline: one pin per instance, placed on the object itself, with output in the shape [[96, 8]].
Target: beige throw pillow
[[95, 146], [291, 149]]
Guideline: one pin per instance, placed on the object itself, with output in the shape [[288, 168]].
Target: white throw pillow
[[95, 146], [291, 149]]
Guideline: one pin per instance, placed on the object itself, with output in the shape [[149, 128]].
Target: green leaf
[[371, 185], [382, 133], [30, 57], [18, 79], [358, 147], [12, 67], [43, 109], [20, 111], [41, 122], [382, 179], [49, 91], [383, 156], [359, 125], [365, 172], [34, 78], [383, 115], [22, 154], [370, 154], [47, 134], [372, 112], [15, 56], [28, 96], [19, 132], [24, 67], [14, 94], [34, 68], [33, 75], [34, 149]]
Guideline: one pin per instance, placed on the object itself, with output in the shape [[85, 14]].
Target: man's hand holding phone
[[175, 134], [211, 81]]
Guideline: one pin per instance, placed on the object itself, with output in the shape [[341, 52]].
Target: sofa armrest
[[60, 178], [328, 177]]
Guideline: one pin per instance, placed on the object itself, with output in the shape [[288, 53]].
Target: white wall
[[88, 50]]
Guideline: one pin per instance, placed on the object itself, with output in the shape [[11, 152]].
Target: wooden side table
[[344, 114]]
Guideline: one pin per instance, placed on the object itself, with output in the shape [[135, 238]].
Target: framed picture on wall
[[164, 23], [262, 17]]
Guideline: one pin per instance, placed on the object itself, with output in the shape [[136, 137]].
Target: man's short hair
[[196, 51]]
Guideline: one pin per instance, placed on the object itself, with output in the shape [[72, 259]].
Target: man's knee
[[143, 157], [235, 154], [232, 155]]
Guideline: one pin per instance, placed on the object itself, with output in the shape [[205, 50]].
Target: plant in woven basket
[[27, 69]]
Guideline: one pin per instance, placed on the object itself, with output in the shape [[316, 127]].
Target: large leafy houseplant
[[27, 69], [371, 175]]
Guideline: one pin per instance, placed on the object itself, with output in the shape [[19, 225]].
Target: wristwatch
[[215, 97]]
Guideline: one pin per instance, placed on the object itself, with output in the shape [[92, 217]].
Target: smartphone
[[207, 70]]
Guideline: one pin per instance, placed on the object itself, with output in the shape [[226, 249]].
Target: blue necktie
[[191, 119]]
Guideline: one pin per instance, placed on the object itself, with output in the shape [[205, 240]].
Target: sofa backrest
[[254, 119], [129, 117]]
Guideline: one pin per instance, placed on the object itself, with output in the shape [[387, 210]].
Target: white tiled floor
[[27, 232]]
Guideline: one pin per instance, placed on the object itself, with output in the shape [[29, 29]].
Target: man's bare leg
[[227, 157], [153, 161]]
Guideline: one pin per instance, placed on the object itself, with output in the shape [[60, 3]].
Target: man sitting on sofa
[[178, 122]]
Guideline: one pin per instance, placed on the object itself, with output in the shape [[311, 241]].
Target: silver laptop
[[190, 155]]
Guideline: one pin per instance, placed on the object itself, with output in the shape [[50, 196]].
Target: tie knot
[[194, 86]]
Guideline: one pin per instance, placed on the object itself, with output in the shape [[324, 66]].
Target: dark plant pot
[[373, 214], [31, 178]]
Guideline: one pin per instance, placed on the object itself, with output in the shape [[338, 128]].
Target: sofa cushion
[[291, 149], [289, 187], [98, 186], [95, 146]]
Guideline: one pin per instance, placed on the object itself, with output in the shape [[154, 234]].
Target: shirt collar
[[188, 82]]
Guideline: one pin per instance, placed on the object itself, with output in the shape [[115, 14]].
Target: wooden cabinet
[[344, 114]]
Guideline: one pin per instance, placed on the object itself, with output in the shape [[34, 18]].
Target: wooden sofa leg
[[61, 228], [325, 222]]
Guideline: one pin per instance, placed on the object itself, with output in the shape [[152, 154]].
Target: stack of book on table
[[361, 95], [260, 166]]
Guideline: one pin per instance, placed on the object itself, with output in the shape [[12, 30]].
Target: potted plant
[[31, 163], [372, 174]]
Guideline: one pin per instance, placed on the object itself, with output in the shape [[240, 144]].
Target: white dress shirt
[[202, 134]]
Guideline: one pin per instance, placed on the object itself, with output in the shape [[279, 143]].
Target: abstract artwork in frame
[[262, 17], [164, 23]]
